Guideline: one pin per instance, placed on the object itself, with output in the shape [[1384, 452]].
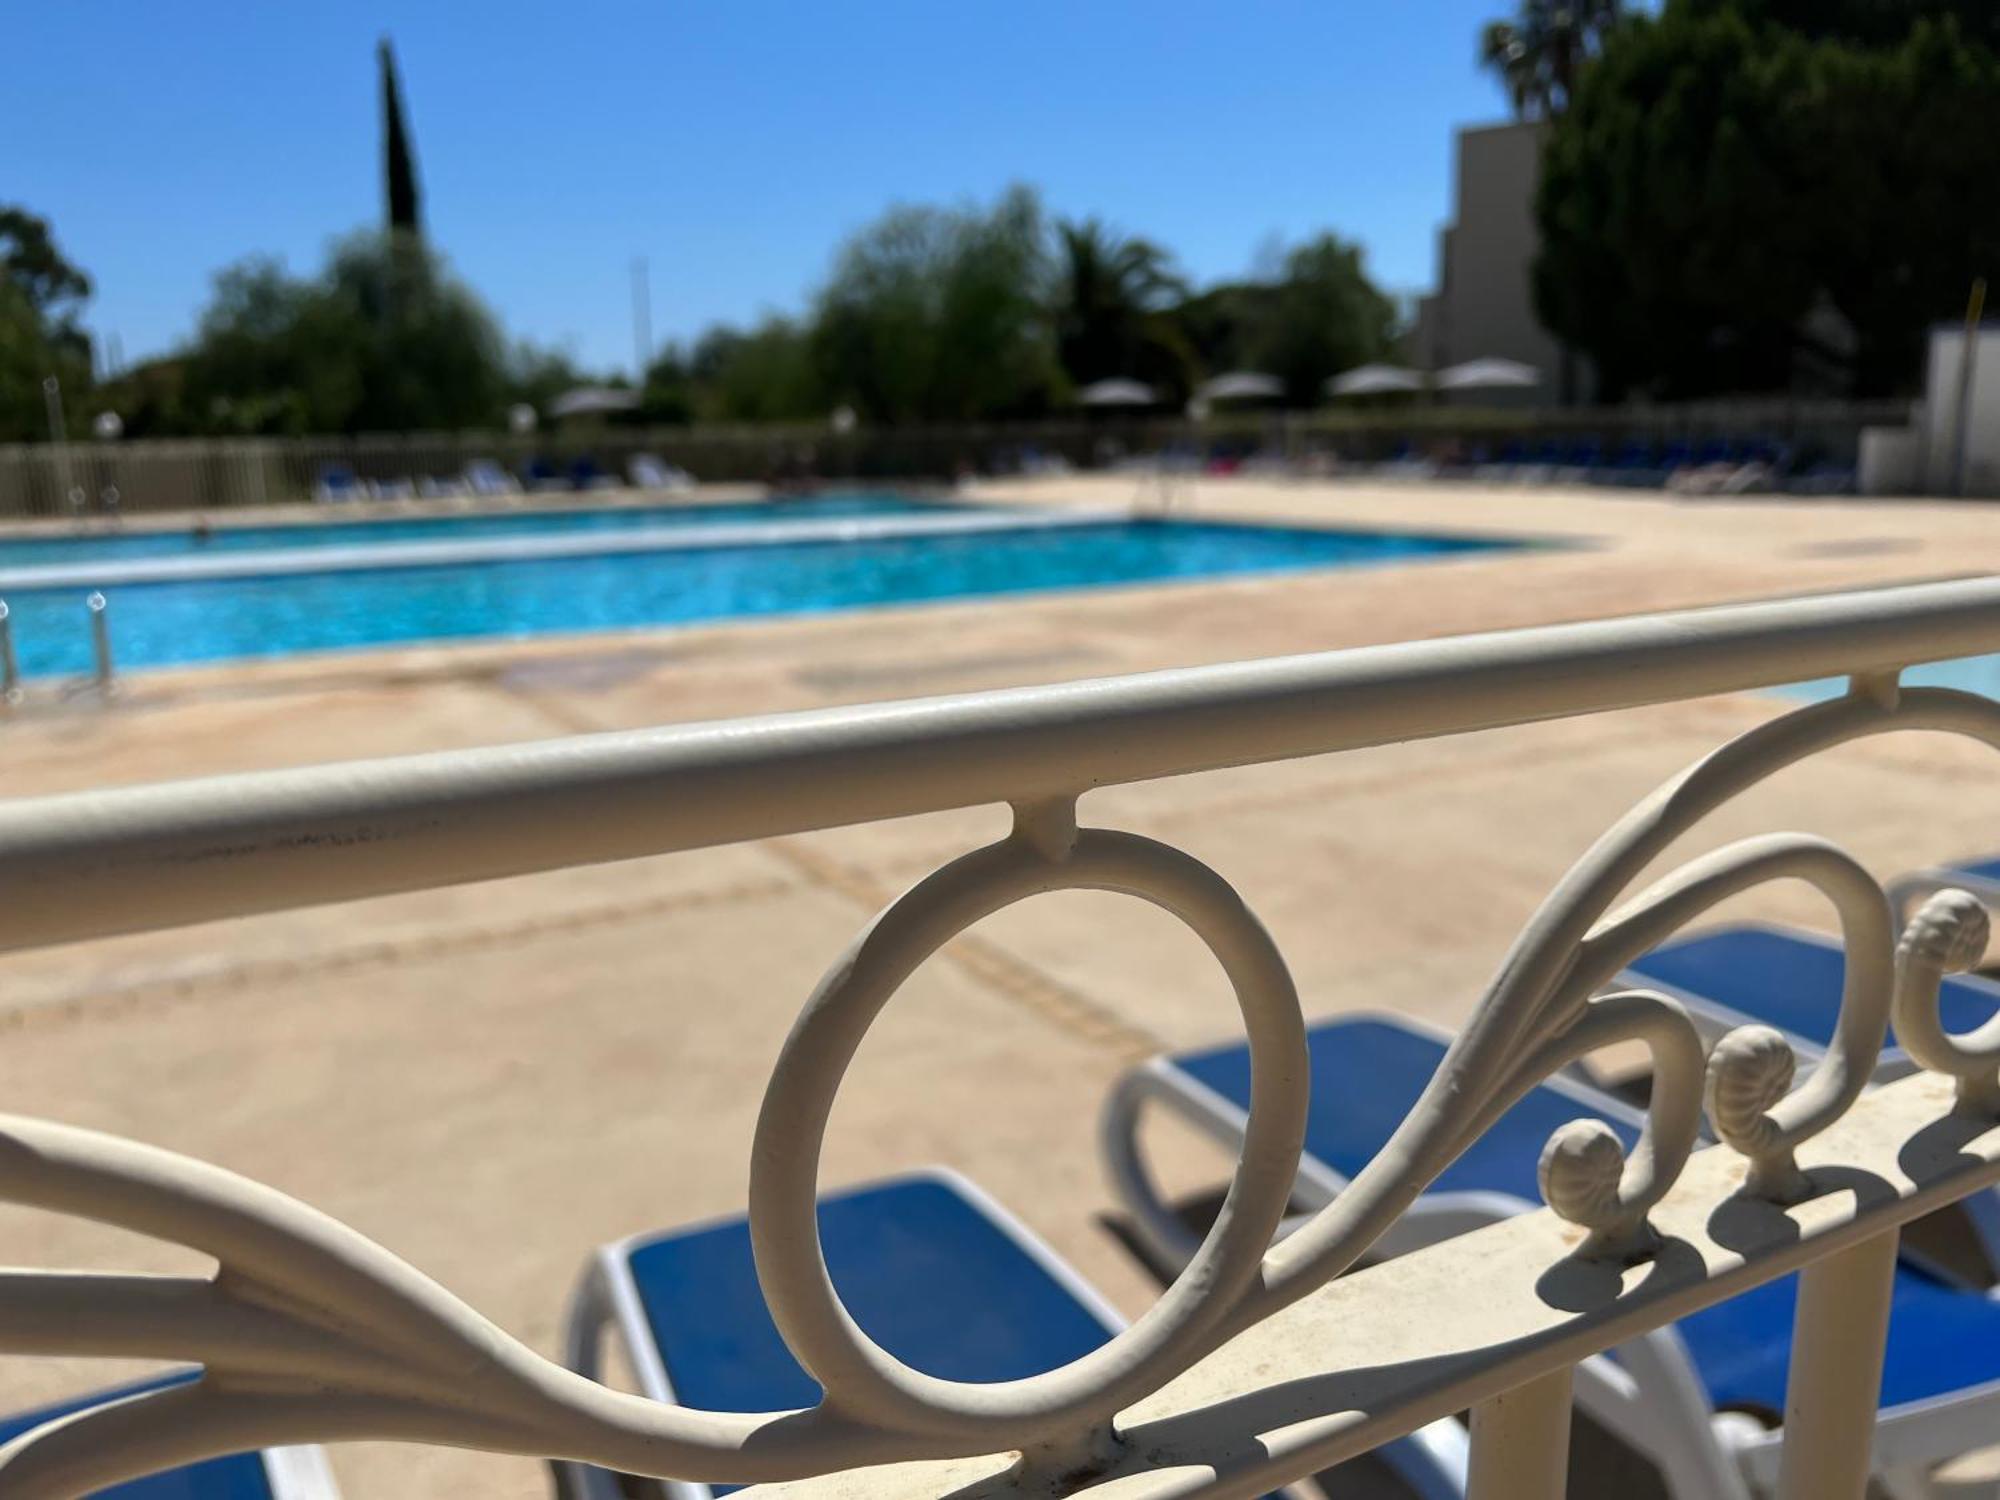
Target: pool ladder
[[100, 647]]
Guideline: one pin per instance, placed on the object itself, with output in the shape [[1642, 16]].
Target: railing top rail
[[94, 864]]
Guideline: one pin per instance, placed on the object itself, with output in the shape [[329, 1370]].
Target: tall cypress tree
[[399, 168]]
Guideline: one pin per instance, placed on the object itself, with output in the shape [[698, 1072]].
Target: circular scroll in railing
[[862, 1379]]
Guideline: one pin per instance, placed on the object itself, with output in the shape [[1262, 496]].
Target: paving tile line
[[1005, 974], [417, 948]]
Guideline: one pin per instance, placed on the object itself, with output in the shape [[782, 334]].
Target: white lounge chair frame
[[607, 1300], [1647, 1392]]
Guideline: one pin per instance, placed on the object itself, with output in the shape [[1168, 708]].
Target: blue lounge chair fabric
[[1980, 876], [934, 1280], [937, 1272], [1787, 979], [298, 1474], [1366, 1075], [1732, 975], [1944, 1341]]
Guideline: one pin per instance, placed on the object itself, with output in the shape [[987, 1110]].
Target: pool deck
[[492, 1080]]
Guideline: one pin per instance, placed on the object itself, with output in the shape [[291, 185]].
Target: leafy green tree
[[1864, 23], [667, 393], [41, 333], [384, 339], [1733, 204], [537, 374], [1539, 53], [939, 315], [1315, 314], [769, 374], [1113, 313], [1324, 316]]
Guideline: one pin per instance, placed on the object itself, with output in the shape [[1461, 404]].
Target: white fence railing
[[90, 478], [1263, 1361]]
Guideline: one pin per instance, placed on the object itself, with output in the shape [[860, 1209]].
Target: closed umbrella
[[1375, 380], [1242, 385], [592, 400], [1489, 375], [1116, 392]]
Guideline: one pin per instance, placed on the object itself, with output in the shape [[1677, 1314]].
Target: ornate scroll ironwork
[[308, 1331]]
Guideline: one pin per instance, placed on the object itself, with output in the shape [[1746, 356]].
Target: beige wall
[[1485, 301], [1944, 403]]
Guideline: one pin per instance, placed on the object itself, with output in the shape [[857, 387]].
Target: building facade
[[1484, 305]]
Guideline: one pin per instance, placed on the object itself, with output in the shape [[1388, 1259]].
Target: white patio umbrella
[[1489, 375], [1375, 380], [592, 400], [1117, 392], [1242, 385]]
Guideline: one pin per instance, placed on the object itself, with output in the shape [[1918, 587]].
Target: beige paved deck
[[492, 1080]]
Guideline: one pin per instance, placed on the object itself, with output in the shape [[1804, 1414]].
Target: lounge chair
[[939, 1273], [1745, 972], [1979, 876], [648, 471], [1699, 1398], [336, 484], [274, 1474], [483, 476], [1748, 972]]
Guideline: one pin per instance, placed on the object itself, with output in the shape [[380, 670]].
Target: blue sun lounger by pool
[[1780, 976], [1979, 876], [1783, 977], [1676, 1394], [938, 1273], [275, 1474], [1366, 1073]]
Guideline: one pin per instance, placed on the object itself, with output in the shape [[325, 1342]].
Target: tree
[[1315, 313], [1113, 313], [1865, 23], [938, 315], [1539, 53], [41, 335], [769, 374], [1733, 204], [384, 339], [1326, 316], [399, 168]]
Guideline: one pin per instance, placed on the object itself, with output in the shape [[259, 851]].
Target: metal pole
[[100, 639], [10, 667], [642, 319], [1968, 365], [1520, 1442], [1835, 1383], [59, 438]]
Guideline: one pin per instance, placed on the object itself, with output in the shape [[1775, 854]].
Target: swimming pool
[[1971, 674], [100, 546], [157, 624]]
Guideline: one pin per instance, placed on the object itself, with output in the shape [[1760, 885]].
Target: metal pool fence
[[91, 477]]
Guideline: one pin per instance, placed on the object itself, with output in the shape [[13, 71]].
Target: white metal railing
[[1257, 1365], [131, 476]]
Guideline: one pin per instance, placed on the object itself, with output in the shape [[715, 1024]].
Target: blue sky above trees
[[734, 144]]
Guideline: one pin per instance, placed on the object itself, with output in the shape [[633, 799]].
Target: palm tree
[[1112, 306], [1538, 54]]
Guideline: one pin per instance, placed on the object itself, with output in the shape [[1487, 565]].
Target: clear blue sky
[[732, 142]]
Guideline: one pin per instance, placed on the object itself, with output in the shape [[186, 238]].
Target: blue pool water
[[155, 624], [46, 551], [1971, 674]]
